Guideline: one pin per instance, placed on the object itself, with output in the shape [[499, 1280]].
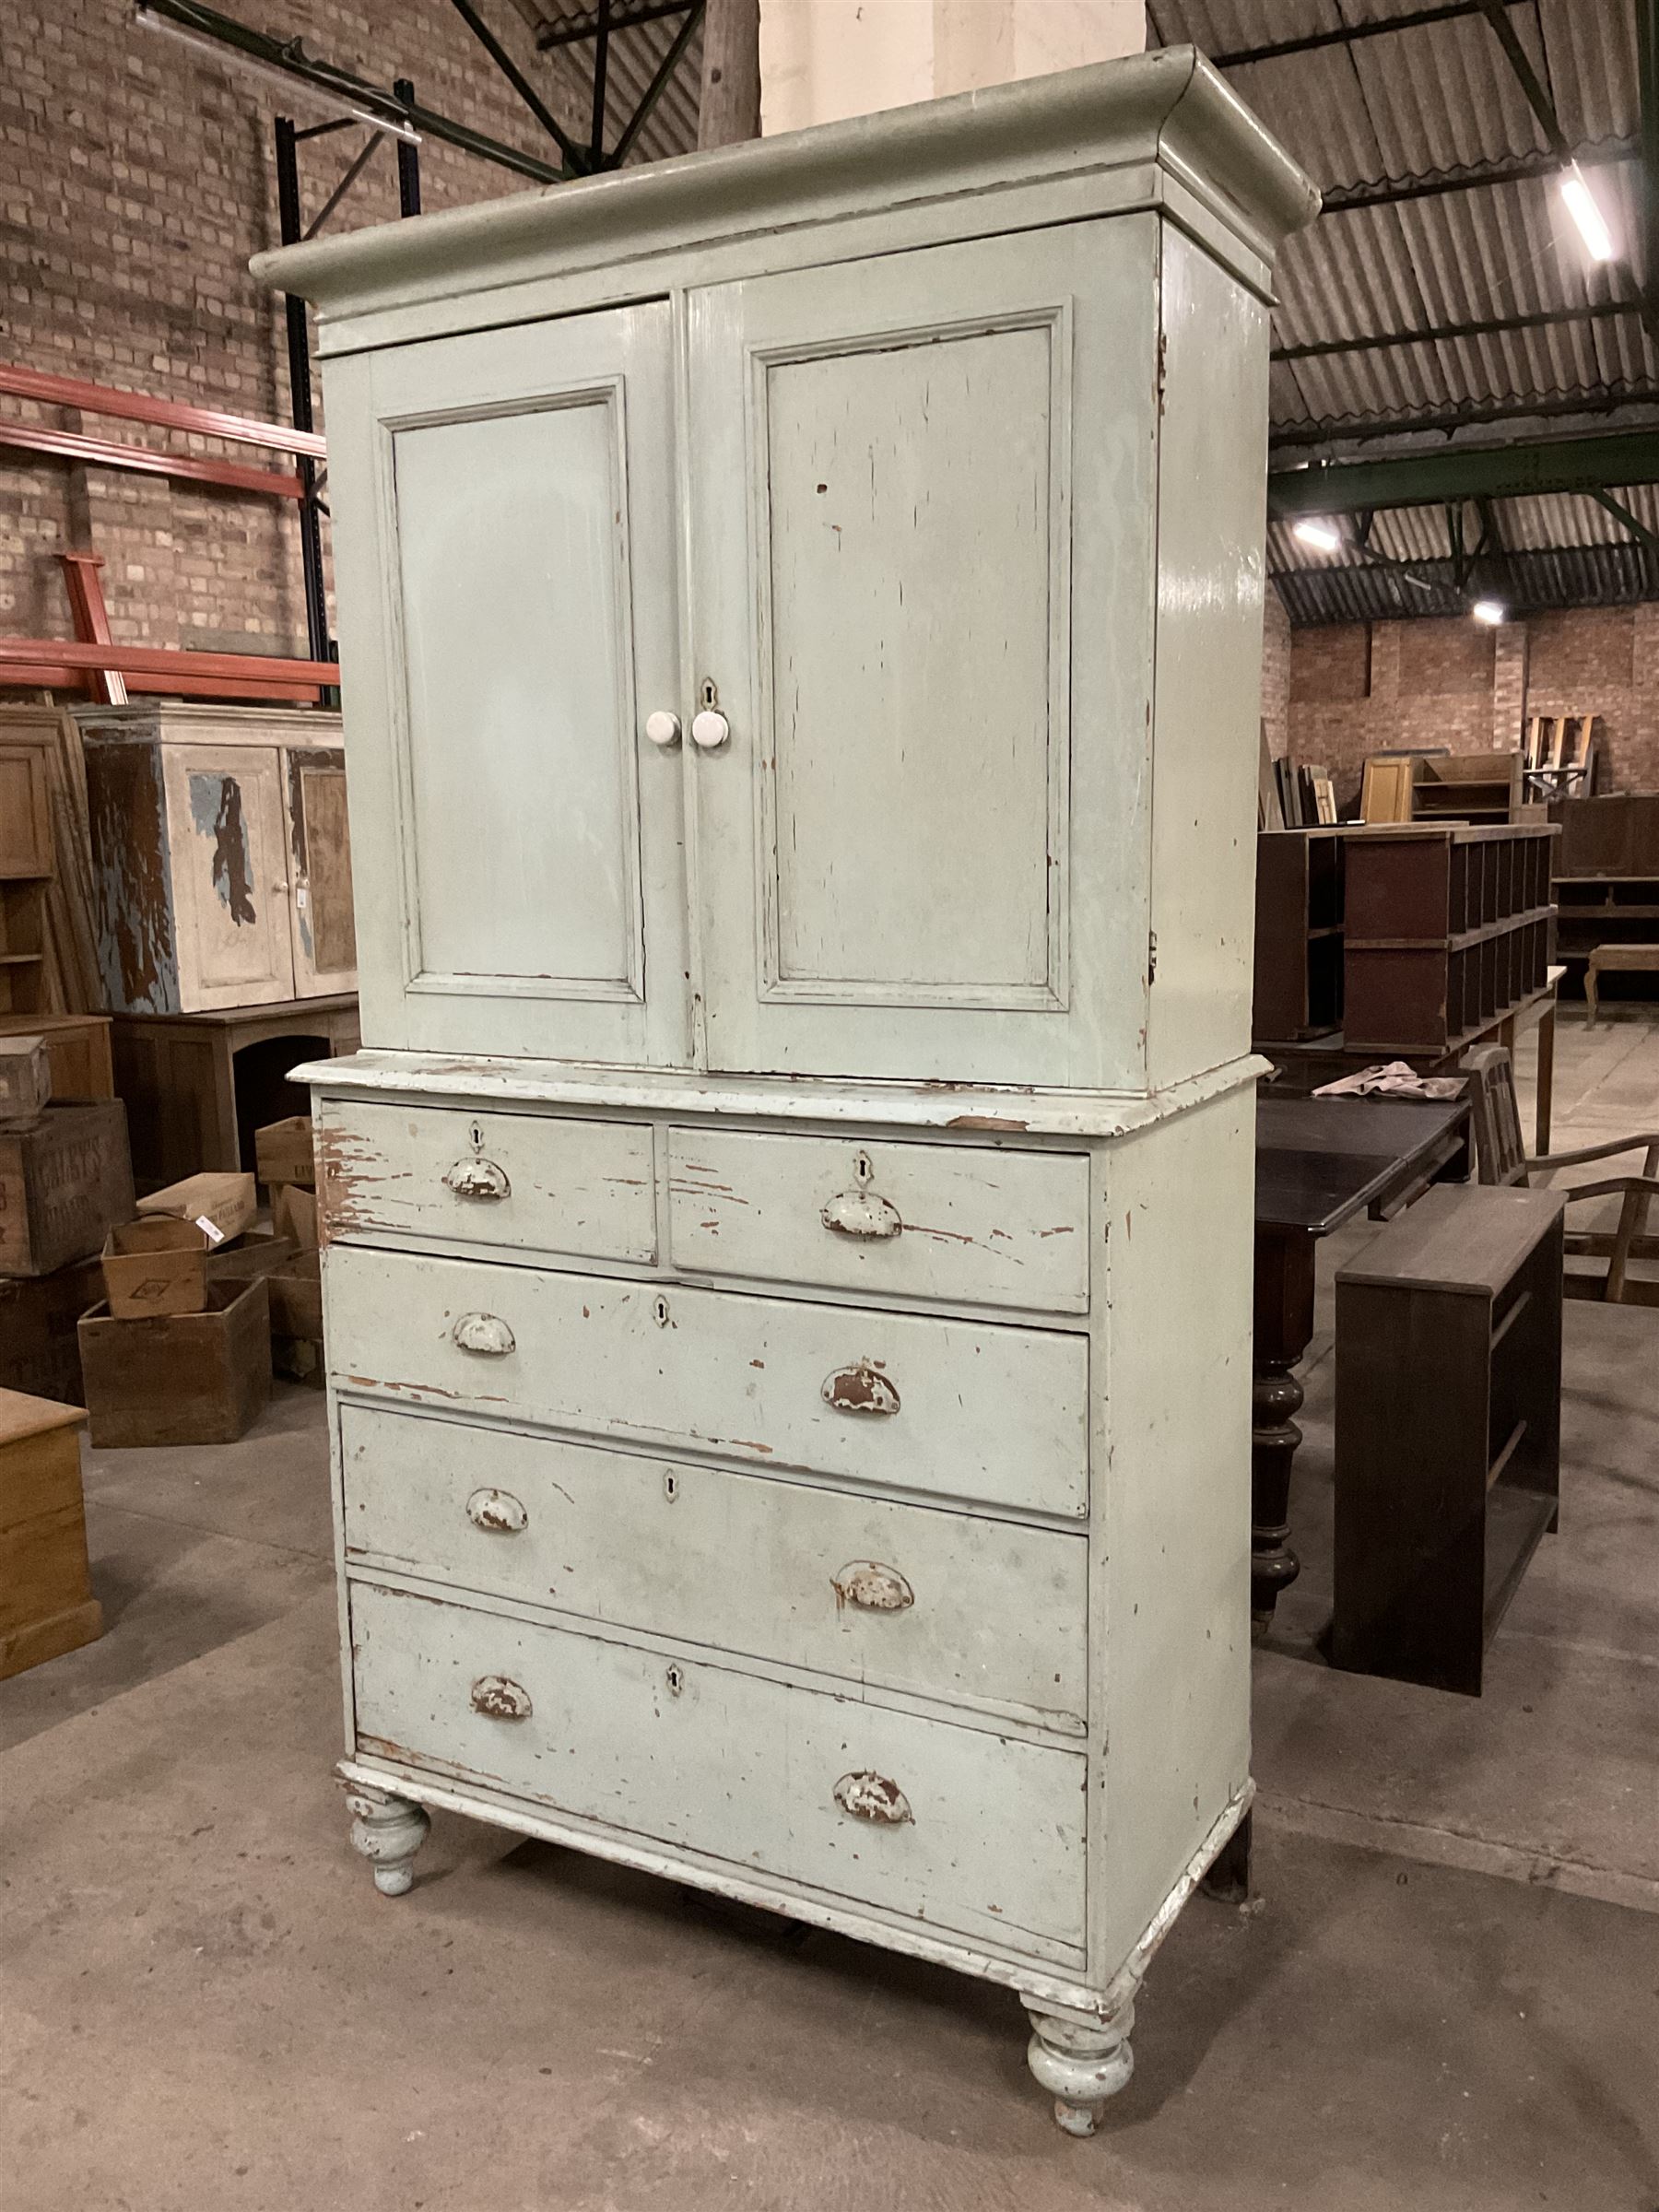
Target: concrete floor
[[1432, 2000]]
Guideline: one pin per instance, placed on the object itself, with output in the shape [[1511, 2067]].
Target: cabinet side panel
[[1211, 498], [1171, 1562], [132, 878]]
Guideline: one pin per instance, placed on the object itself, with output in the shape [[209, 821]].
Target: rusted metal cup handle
[[864, 1215], [479, 1179], [873, 1587], [485, 1333], [870, 1796], [861, 1388], [497, 1512], [499, 1698]]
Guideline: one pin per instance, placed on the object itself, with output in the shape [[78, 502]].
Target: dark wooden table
[[1319, 1163]]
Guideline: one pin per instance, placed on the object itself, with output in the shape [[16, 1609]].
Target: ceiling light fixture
[[1581, 206], [1489, 611], [1324, 538]]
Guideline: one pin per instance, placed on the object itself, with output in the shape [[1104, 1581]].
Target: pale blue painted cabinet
[[789, 1228]]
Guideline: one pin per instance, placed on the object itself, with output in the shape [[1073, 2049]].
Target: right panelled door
[[921, 602]]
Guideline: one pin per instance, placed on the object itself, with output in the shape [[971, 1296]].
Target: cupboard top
[[304, 727], [992, 1110], [1167, 111]]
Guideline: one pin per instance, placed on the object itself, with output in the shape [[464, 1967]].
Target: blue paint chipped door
[[232, 888]]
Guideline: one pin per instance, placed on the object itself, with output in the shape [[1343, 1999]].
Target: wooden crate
[[286, 1152], [25, 1075], [64, 1179], [46, 1602], [155, 1266], [182, 1378], [78, 1047], [40, 1351]]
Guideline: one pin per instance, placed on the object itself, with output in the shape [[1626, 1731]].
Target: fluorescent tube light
[[1489, 611], [1591, 224], [1324, 538]]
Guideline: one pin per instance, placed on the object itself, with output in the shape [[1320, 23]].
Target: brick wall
[[135, 181], [1275, 674], [1356, 687]]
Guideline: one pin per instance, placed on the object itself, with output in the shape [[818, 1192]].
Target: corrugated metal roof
[[1375, 115]]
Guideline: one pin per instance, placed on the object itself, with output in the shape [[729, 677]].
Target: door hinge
[[1151, 955]]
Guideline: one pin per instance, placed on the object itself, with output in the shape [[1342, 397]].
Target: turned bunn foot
[[1081, 2062], [388, 1831]]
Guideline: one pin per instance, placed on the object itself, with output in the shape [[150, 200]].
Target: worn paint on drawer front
[[701, 1756], [954, 1222], [942, 1605], [529, 1181], [983, 1411]]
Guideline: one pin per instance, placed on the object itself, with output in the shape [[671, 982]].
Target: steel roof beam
[[574, 159], [622, 15], [1534, 407], [1353, 33], [1470, 472], [1647, 73], [1445, 333], [1526, 76], [1638, 529], [1345, 199]]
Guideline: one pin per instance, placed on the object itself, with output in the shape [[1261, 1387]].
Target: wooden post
[[729, 109]]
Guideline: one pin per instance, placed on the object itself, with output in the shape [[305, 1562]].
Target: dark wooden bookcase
[[1298, 934], [1447, 1429], [1447, 929]]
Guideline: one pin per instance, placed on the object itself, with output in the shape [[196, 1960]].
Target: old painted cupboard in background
[[221, 860], [802, 613]]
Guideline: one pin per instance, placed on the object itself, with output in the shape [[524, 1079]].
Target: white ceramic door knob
[[710, 730], [663, 729]]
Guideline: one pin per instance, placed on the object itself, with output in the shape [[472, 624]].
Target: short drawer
[[528, 1181], [942, 1605], [967, 1829], [959, 1223], [902, 1401]]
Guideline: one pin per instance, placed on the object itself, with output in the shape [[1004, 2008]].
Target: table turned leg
[[1284, 1322], [1546, 1087]]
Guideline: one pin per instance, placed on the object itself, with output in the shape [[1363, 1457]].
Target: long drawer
[[519, 1181], [902, 1401], [957, 1222], [963, 1828], [945, 1605]]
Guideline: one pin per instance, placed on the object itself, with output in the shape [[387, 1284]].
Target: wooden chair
[[1501, 1155]]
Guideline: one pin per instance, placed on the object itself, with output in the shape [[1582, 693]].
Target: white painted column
[[823, 60]]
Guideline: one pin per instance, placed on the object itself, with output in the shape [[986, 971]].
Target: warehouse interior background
[[1440, 1986]]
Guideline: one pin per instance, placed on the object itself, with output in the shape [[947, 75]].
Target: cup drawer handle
[[477, 1179], [872, 1586], [861, 1388], [499, 1698], [869, 1796], [862, 1213], [497, 1512], [485, 1333]]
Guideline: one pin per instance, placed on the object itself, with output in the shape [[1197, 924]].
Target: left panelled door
[[507, 602]]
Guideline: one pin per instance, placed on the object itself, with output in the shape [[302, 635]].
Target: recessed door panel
[[230, 876], [922, 501], [517, 841], [911, 559], [325, 912]]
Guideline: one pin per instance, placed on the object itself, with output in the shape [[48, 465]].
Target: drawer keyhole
[[675, 1679], [671, 1488], [659, 1312]]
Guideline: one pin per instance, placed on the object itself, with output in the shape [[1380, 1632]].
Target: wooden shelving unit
[[1298, 934], [1448, 1430], [1447, 930]]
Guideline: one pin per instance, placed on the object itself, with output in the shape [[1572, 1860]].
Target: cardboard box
[[155, 1266], [65, 1177], [229, 1202], [294, 1214], [283, 1152], [180, 1378], [25, 1077]]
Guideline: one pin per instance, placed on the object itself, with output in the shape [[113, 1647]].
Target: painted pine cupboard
[[788, 1230], [221, 859]]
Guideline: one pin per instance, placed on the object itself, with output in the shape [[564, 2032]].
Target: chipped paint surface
[[872, 1586], [132, 878], [215, 812], [498, 1697]]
